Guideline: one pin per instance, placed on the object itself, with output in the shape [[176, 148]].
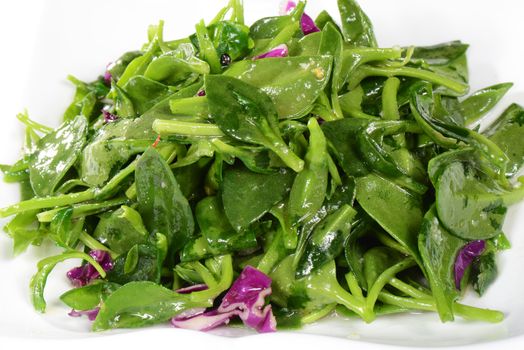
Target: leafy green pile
[[350, 174]]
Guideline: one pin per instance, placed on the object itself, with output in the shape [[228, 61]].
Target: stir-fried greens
[[273, 173]]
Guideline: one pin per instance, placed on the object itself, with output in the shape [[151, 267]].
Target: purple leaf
[[83, 275], [279, 51], [245, 299], [91, 314], [465, 257]]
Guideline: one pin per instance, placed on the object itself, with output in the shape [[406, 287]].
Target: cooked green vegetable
[[347, 173]]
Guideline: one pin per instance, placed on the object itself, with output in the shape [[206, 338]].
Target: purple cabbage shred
[[91, 314], [465, 257], [109, 117], [83, 275], [107, 74], [279, 51], [201, 93], [246, 299]]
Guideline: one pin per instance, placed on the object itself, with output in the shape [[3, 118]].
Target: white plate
[[42, 42]]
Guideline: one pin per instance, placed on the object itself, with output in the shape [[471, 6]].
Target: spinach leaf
[[261, 191], [326, 241], [139, 304], [88, 297], [220, 236], [147, 265], [283, 80], [228, 38], [397, 210], [247, 114], [481, 102], [161, 204], [439, 249], [484, 272], [121, 229], [55, 154], [356, 26], [506, 132], [466, 206], [25, 230]]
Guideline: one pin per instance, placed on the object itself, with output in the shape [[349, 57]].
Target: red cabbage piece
[[306, 23], [107, 74], [245, 299], [91, 314], [279, 51], [83, 275], [201, 93], [465, 257], [109, 117]]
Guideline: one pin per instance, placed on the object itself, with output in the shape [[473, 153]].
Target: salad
[[271, 175]]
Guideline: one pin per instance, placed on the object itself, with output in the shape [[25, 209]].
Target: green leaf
[[64, 231], [131, 262], [481, 102], [88, 297], [398, 211], [467, 205], [507, 133], [121, 229], [356, 26], [484, 272], [247, 114], [162, 205], [439, 250], [326, 241], [139, 304], [283, 80], [261, 191], [55, 153]]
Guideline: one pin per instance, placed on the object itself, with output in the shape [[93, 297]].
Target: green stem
[[476, 314], [464, 311], [48, 202], [359, 307], [353, 285], [71, 198], [272, 256], [409, 303], [384, 278], [24, 118], [282, 150], [389, 99], [167, 127], [365, 71], [191, 106], [317, 315], [83, 209], [224, 283], [208, 52], [93, 244], [408, 289]]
